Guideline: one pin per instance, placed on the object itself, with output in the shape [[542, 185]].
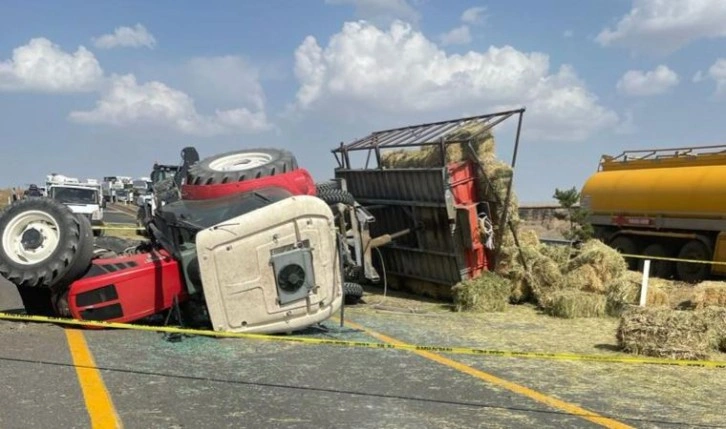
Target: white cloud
[[132, 37], [400, 71], [42, 65], [125, 102], [474, 15], [664, 26], [229, 78], [382, 12], [654, 82], [457, 36], [717, 72], [567, 34]]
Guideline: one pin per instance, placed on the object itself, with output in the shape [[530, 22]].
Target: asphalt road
[[119, 214], [49, 379]]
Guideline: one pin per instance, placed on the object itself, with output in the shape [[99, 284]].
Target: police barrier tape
[[370, 345], [665, 258]]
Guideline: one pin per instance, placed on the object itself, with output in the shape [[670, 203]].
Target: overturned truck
[[244, 237]]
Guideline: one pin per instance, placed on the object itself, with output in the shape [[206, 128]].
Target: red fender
[[297, 182]]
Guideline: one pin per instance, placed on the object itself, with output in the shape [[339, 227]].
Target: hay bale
[[585, 278], [663, 332], [570, 304], [624, 292], [486, 293], [716, 320], [560, 254], [709, 294], [606, 261]]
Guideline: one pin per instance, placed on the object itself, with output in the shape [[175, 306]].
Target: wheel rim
[[240, 162], [31, 237]]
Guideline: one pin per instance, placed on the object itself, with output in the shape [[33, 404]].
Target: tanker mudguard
[[275, 269]]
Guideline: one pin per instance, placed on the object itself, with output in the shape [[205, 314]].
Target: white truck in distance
[[114, 188], [83, 198]]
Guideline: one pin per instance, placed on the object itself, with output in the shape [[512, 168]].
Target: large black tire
[[84, 254], [36, 301], [658, 268], [690, 272], [327, 186], [626, 245], [34, 221], [241, 165], [352, 293], [337, 196]]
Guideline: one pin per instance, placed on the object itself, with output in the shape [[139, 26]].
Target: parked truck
[[664, 203], [82, 198]]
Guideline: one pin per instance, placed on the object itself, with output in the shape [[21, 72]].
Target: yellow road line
[[492, 379], [98, 402]]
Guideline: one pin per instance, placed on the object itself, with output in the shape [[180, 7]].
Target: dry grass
[[488, 292]]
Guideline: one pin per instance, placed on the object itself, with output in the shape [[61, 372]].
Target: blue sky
[[89, 89]]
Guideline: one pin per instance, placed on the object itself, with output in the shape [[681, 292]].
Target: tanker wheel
[[690, 272], [241, 165], [660, 269], [43, 244], [626, 245]]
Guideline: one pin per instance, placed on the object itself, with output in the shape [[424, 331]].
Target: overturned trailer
[[456, 233]]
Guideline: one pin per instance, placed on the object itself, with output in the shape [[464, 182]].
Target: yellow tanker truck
[[665, 203]]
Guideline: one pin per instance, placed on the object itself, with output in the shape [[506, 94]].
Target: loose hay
[[606, 261], [585, 278], [624, 292], [487, 293], [716, 320], [570, 304], [709, 294], [663, 332]]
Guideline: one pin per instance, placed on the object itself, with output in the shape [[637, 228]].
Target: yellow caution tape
[[119, 228], [363, 344], [664, 258]]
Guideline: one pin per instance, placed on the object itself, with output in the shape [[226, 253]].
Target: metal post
[[503, 220], [644, 284]]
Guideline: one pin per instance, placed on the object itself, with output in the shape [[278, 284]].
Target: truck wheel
[[352, 293], [327, 186], [690, 272], [628, 246], [660, 269], [84, 254], [337, 196], [240, 165], [42, 243]]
